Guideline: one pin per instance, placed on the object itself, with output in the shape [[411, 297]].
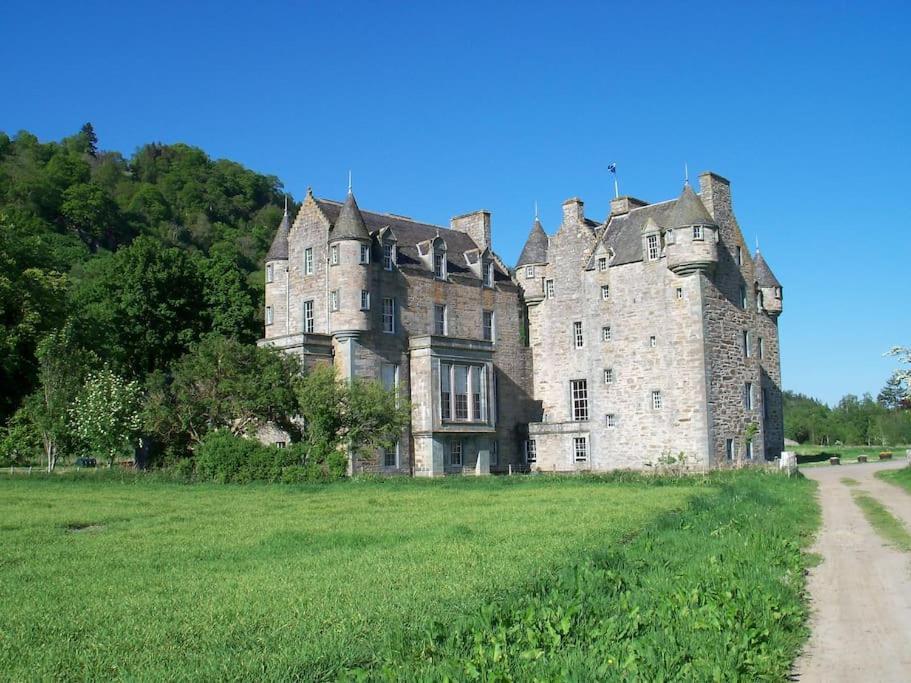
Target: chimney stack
[[476, 225], [572, 211], [622, 205]]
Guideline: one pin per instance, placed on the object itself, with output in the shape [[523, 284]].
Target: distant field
[[152, 581], [809, 454]]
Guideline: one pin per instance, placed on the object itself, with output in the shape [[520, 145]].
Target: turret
[[692, 236], [531, 263], [350, 258], [770, 296], [276, 314]]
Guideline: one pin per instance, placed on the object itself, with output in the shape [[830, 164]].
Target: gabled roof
[[689, 210], [409, 233], [764, 275], [279, 249], [624, 232], [535, 249], [349, 225]]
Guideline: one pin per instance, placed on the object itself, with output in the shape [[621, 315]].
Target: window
[[746, 343], [549, 289], [608, 375], [270, 272], [739, 256], [308, 259], [605, 333], [280, 444], [488, 325], [652, 244], [463, 392], [761, 349], [333, 300], [440, 320], [495, 453], [765, 403], [579, 390], [455, 452], [697, 232], [778, 292], [389, 375], [391, 456], [605, 291], [656, 400], [610, 421], [388, 256], [488, 274], [308, 317], [580, 448], [578, 339], [602, 264], [729, 449], [749, 450], [365, 300], [680, 292], [365, 253], [531, 451], [748, 396], [268, 315], [389, 315], [529, 272], [333, 254], [653, 341], [759, 299], [743, 297], [439, 264]]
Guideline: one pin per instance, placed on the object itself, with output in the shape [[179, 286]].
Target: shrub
[[226, 458]]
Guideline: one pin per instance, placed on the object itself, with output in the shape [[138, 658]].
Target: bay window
[[463, 392]]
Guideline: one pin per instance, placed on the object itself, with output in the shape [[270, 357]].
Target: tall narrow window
[[656, 400], [759, 300], [602, 264], [579, 391], [308, 259], [333, 255], [439, 320], [455, 452], [765, 403], [743, 297], [653, 341], [610, 421], [308, 316], [333, 300], [549, 289], [749, 450], [487, 323], [531, 452], [580, 449], [439, 264], [388, 256], [652, 244], [495, 453], [748, 396], [389, 315], [746, 343], [606, 333], [739, 256], [474, 383], [488, 274], [605, 292], [761, 349], [270, 272], [729, 449], [365, 253], [697, 232], [446, 391], [680, 292], [268, 315], [460, 391], [365, 300], [608, 375], [578, 339]]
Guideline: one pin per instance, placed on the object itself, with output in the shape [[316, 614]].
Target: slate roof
[[349, 225], [279, 249], [764, 275], [689, 210], [535, 249], [409, 233]]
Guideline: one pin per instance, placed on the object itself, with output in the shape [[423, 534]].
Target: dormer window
[[365, 254], [439, 264], [653, 248], [602, 264], [488, 274], [388, 256], [697, 232]]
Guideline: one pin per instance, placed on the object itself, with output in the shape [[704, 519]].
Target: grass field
[[887, 525], [515, 577], [809, 454], [900, 477]]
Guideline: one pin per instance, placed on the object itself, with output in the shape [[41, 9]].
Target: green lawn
[[809, 454], [900, 477], [152, 581]]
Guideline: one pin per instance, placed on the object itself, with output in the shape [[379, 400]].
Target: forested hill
[[136, 258]]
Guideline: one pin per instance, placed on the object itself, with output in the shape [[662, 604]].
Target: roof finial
[[757, 244], [349, 182], [536, 209], [286, 205], [686, 174]]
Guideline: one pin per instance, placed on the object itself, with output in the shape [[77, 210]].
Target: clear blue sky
[[442, 108]]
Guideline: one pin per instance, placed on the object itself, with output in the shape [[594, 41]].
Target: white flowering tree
[[106, 413], [902, 376]]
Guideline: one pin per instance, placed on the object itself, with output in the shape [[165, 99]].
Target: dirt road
[[861, 592]]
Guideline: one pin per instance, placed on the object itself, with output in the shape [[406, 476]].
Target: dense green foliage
[[852, 421], [585, 578]]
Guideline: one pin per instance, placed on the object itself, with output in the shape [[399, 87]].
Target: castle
[[620, 343]]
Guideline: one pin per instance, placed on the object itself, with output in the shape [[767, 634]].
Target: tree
[[894, 396], [902, 376], [92, 214], [106, 413], [91, 140]]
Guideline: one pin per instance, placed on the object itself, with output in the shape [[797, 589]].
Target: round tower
[[350, 258], [692, 237], [277, 292], [770, 294], [532, 263]]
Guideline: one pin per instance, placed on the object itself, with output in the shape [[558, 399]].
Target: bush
[[226, 458]]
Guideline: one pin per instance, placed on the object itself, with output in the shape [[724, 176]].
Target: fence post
[[30, 470], [510, 469]]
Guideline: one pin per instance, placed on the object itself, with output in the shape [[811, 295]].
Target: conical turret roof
[[764, 275], [350, 224], [689, 210], [279, 249], [535, 249]]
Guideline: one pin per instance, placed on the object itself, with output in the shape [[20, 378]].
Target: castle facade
[[645, 338]]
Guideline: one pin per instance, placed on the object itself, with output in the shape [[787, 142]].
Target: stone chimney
[[715, 193], [622, 205], [572, 211], [476, 225]]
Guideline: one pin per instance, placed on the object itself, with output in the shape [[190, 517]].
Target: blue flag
[[612, 168]]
